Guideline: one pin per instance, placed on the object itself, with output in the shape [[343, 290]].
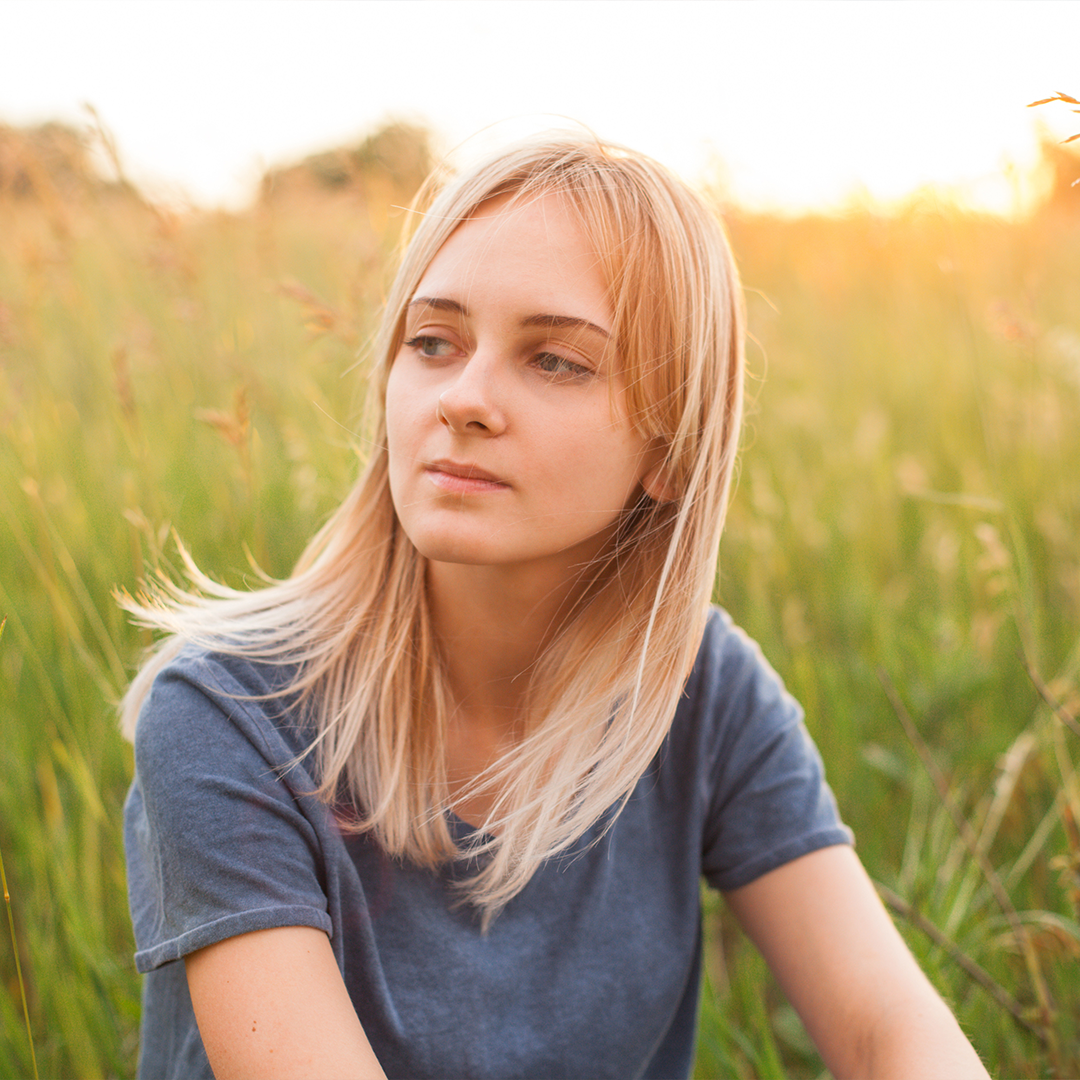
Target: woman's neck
[[492, 627]]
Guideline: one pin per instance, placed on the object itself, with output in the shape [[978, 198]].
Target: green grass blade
[[14, 940]]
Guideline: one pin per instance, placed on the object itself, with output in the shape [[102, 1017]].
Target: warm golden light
[[806, 104]]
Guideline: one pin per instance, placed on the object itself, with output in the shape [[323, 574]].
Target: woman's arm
[[835, 952], [272, 1004]]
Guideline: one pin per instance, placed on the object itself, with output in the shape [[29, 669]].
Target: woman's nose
[[471, 404]]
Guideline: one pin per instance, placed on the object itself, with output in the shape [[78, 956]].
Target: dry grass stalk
[[962, 960], [967, 834], [1055, 706], [320, 317], [1070, 100]]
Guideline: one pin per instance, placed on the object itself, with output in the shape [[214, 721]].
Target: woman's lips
[[462, 478]]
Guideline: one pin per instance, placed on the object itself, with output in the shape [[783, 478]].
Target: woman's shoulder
[[228, 667], [729, 655], [223, 831], [733, 693], [740, 743], [203, 693]]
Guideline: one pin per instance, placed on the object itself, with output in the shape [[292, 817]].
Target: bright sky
[[804, 103]]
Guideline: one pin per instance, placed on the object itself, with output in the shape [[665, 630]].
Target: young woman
[[439, 804]]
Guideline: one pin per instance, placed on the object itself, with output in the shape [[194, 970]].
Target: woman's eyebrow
[[564, 322], [440, 303], [551, 322]]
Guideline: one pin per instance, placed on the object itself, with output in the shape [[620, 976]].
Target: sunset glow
[[790, 105]]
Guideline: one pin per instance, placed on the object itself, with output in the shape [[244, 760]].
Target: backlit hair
[[602, 696]]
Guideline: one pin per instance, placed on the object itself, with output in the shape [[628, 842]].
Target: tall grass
[[903, 542]]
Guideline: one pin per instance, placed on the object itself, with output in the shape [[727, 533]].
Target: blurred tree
[[52, 160], [390, 164]]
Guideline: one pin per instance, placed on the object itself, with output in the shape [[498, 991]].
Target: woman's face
[[507, 440]]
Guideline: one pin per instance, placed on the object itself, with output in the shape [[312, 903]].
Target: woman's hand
[[843, 965], [272, 1004]]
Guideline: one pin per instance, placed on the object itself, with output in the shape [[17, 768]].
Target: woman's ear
[[657, 484]]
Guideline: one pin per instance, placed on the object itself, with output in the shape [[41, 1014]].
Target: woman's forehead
[[533, 252]]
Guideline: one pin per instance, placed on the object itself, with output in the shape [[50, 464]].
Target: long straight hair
[[353, 615]]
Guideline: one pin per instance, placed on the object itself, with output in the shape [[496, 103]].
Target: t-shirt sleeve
[[221, 837], [765, 790]]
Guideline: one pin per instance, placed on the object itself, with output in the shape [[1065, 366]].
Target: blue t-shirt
[[591, 971]]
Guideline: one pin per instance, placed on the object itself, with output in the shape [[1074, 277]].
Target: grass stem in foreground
[[14, 942]]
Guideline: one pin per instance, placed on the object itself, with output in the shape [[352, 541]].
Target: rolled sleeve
[[220, 841]]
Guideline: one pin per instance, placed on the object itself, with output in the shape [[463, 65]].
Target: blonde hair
[[353, 614]]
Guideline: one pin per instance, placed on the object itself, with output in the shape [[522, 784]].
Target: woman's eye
[[553, 364], [433, 347]]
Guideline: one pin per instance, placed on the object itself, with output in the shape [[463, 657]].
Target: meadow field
[[904, 542]]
